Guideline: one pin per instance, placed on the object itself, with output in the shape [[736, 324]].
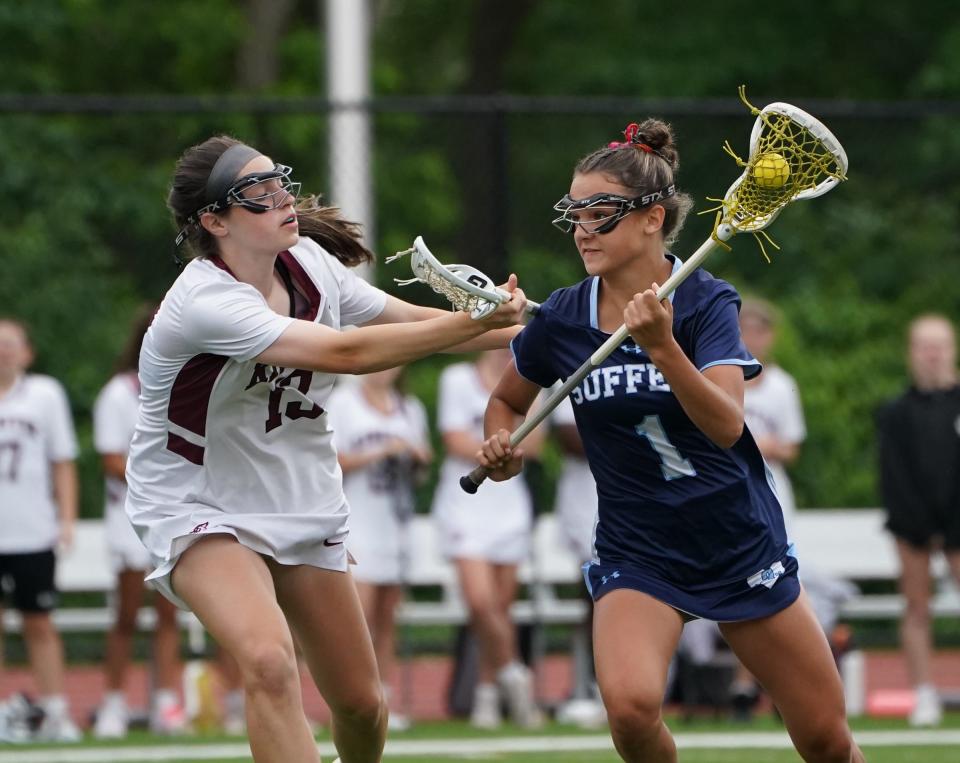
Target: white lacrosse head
[[815, 159], [464, 286]]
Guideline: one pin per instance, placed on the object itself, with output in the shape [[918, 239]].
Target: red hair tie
[[632, 139], [632, 135]]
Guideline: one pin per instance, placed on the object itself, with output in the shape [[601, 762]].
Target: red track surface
[[429, 677]]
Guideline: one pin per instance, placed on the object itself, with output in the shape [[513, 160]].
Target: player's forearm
[[372, 347], [65, 490], [710, 408], [491, 340], [461, 444], [500, 415], [376, 348], [775, 449], [350, 462], [115, 465], [398, 311]]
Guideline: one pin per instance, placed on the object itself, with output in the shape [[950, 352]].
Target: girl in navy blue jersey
[[689, 523]]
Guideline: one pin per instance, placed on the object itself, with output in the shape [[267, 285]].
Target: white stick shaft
[[478, 475]]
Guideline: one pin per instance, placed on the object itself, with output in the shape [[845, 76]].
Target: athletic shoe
[[516, 683], [55, 728], [19, 717], [234, 724], [585, 713], [486, 707], [928, 710], [168, 718], [113, 718], [742, 703], [398, 722]]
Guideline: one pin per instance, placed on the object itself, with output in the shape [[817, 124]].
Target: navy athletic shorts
[[26, 581]]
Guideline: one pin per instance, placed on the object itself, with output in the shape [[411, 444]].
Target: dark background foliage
[[87, 237]]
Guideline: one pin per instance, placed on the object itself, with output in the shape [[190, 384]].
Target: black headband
[[227, 168]]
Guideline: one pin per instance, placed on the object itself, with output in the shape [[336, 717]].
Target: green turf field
[[762, 741]]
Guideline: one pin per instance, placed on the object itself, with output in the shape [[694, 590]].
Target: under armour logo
[[612, 576], [767, 577], [631, 349]]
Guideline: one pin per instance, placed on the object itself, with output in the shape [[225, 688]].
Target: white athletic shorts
[[494, 524], [126, 550], [377, 542], [314, 539], [576, 507]]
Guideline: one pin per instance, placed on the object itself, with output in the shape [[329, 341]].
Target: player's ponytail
[[646, 161], [325, 225]]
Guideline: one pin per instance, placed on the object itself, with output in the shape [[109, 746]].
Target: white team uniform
[[771, 407], [495, 523], [114, 420], [36, 430], [380, 494], [227, 445], [576, 501]]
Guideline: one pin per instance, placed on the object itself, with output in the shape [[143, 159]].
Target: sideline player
[[487, 537], [114, 419], [919, 444], [38, 511], [382, 442], [575, 507], [688, 524], [232, 481]]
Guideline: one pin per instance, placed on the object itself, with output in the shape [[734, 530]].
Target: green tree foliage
[[87, 236]]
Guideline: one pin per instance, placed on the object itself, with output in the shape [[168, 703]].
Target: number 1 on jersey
[[672, 464]]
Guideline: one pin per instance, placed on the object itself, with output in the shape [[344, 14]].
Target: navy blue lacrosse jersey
[[693, 524]]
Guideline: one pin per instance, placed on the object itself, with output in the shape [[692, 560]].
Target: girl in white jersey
[[38, 507], [771, 403], [233, 484], [575, 507], [114, 419], [487, 536], [383, 447], [576, 501]]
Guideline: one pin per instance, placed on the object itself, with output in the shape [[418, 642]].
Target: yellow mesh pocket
[[788, 160]]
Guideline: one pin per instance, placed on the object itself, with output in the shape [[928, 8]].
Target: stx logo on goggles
[[602, 212]]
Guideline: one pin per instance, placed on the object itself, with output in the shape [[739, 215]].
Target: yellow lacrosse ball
[[771, 171]]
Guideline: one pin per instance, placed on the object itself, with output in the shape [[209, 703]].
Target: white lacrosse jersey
[[36, 430], [380, 494], [226, 444], [114, 421], [772, 408], [576, 501], [495, 523]]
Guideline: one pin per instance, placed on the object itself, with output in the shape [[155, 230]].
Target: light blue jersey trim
[[752, 364], [594, 293], [585, 569], [677, 264]]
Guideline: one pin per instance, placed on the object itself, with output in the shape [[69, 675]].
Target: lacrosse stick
[[465, 287], [792, 157]]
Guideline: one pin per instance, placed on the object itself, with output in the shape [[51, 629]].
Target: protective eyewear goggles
[[602, 212], [257, 192]]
